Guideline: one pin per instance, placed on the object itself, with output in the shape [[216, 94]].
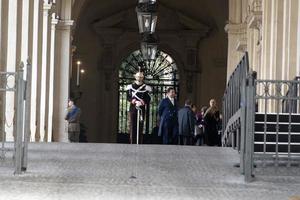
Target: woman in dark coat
[[211, 119]]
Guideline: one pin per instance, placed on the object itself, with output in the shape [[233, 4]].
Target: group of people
[[187, 125], [184, 126]]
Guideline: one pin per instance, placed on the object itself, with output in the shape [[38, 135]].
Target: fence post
[[19, 123], [27, 132], [249, 133], [243, 126]]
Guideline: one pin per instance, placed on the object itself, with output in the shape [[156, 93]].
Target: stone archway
[[103, 41]]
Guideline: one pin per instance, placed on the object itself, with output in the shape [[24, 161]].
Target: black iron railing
[[232, 99], [291, 105]]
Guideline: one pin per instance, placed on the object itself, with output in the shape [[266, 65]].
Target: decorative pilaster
[[237, 44], [255, 16]]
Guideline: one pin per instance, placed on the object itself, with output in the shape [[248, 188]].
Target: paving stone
[[62, 171]]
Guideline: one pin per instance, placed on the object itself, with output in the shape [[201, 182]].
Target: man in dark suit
[[168, 108], [186, 122]]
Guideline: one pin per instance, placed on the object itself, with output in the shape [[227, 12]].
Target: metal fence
[[232, 104], [13, 83], [261, 120], [291, 105], [284, 126]]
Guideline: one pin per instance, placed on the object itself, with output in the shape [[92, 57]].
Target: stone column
[[61, 78], [54, 22], [3, 57], [273, 42], [291, 8], [266, 31], [237, 37], [36, 63], [25, 32], [276, 38], [13, 58], [3, 33], [45, 65]]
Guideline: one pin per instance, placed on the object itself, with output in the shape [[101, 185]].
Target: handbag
[[199, 130]]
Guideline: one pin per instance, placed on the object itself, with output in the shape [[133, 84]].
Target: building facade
[[55, 34], [270, 32]]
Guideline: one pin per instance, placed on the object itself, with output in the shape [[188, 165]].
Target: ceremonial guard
[[139, 98]]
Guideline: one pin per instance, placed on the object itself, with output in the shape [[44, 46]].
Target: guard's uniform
[[137, 93]]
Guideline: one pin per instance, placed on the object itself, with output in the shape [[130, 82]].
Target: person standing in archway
[[139, 98], [73, 116], [168, 111]]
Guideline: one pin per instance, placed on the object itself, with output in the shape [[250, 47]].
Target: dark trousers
[[170, 133], [133, 126]]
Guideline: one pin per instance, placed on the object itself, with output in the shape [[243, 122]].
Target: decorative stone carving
[[254, 18]]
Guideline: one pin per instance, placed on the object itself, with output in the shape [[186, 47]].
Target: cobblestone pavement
[[60, 171]]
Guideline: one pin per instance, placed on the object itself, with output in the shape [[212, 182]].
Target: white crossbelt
[[135, 91]]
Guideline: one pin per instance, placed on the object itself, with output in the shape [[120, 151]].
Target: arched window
[[160, 74]]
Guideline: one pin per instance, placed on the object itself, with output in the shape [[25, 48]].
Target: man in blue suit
[[168, 109]]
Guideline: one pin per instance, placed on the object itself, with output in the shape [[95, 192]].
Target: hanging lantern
[[149, 46], [147, 15]]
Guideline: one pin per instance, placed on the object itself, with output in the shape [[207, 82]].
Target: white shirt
[[171, 99]]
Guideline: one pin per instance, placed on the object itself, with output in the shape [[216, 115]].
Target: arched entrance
[[160, 74], [112, 32]]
